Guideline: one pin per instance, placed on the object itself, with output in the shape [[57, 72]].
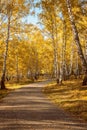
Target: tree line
[[59, 48]]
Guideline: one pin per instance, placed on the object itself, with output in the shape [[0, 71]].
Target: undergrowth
[[70, 96]]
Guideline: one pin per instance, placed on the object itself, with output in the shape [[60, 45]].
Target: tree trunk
[[17, 68], [71, 60], [85, 79], [5, 55], [76, 37], [86, 46], [61, 70], [64, 50], [36, 65], [3, 82], [76, 73], [55, 47]]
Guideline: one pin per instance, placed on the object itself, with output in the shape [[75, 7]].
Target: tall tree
[[77, 40], [6, 47], [50, 20], [12, 12]]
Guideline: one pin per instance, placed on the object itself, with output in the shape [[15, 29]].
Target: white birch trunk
[[71, 59], [64, 51], [17, 68], [76, 37], [55, 47], [86, 47], [5, 54]]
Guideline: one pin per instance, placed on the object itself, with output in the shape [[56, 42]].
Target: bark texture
[[76, 37], [5, 55]]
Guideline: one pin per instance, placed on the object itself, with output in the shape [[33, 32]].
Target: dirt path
[[28, 109]]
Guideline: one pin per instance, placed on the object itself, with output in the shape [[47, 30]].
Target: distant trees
[[50, 20], [67, 12]]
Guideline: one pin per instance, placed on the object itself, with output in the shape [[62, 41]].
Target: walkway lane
[[28, 109]]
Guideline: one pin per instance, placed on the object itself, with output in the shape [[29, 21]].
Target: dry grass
[[12, 85], [3, 93], [9, 88], [70, 96]]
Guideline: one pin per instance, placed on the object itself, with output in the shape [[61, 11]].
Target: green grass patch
[[70, 96]]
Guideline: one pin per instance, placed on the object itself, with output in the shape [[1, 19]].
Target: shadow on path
[[28, 109]]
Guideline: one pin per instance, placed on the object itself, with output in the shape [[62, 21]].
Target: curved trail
[[28, 109]]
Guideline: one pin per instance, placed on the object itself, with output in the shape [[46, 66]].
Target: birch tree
[[12, 12], [77, 40], [6, 47], [50, 21]]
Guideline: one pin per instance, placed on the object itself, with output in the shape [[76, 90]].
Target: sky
[[33, 19]]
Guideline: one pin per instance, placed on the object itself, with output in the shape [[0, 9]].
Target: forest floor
[[28, 108], [13, 84], [70, 96]]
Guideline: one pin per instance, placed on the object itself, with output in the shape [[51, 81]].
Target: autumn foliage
[[58, 49]]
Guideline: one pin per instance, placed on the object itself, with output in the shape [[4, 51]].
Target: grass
[[9, 88], [3, 93], [70, 96], [12, 85]]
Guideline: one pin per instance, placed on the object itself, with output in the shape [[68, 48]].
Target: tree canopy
[[56, 46]]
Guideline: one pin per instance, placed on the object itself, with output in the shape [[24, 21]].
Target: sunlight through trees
[[57, 50]]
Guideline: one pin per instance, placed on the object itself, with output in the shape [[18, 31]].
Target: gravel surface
[[29, 109]]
